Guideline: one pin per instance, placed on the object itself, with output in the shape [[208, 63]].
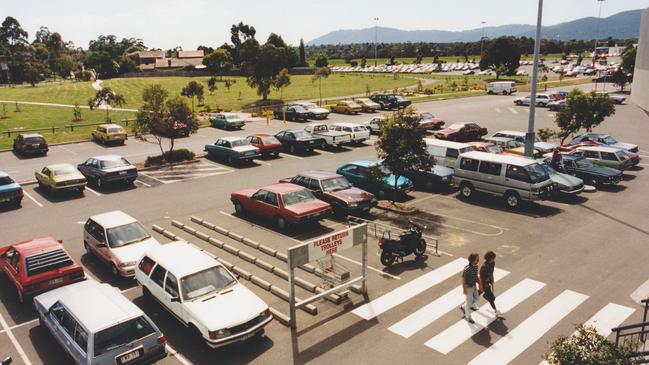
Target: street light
[[376, 38], [599, 19], [482, 40], [529, 136]]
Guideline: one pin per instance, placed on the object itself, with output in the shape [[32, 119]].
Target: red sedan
[[461, 132], [284, 203], [430, 122], [38, 265], [268, 145]]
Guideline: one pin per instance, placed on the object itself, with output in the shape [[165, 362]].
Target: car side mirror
[[175, 299]]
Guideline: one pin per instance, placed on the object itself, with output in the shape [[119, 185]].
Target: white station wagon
[[359, 133], [202, 294], [117, 239], [96, 325]]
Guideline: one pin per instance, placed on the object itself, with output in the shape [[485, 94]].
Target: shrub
[[546, 134], [179, 155]]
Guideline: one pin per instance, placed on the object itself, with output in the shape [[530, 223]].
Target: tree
[[501, 55], [628, 60], [401, 144], [363, 62], [12, 35], [236, 31], [218, 62], [620, 78], [302, 62], [34, 72], [193, 90], [321, 61], [582, 110], [588, 347], [320, 73], [211, 85], [262, 64], [283, 79], [106, 98]]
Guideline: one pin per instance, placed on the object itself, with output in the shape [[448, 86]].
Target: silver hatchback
[[96, 325]]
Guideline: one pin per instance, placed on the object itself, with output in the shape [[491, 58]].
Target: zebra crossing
[[509, 346], [172, 174]]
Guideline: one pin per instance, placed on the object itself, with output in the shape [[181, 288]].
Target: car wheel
[[195, 333], [87, 248], [291, 149], [100, 183], [41, 186], [466, 190], [238, 208], [281, 222], [229, 159], [421, 249], [593, 182], [512, 199], [387, 258], [114, 271], [490, 92], [518, 102]]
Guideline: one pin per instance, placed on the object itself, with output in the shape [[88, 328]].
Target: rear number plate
[[310, 142], [36, 145], [122, 172], [126, 358], [55, 281]]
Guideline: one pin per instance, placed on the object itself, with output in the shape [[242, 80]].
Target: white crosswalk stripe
[[514, 111], [461, 331], [409, 290], [434, 310], [530, 330], [609, 317]]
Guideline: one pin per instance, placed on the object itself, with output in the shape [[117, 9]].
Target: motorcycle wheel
[[387, 258], [421, 248]]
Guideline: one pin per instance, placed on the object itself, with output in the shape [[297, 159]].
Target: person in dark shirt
[[487, 278], [469, 280]]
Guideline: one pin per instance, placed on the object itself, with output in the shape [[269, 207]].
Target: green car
[[227, 121], [606, 156], [565, 184]]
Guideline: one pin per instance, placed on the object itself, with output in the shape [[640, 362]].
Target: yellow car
[[59, 177], [109, 133], [521, 152], [346, 107]]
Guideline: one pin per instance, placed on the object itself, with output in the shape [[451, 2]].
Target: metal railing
[[637, 333], [71, 127]]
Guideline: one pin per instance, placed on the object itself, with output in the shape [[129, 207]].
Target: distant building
[[156, 60], [614, 51], [640, 88]]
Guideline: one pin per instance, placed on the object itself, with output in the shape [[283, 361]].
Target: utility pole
[[599, 19], [482, 40], [376, 39], [529, 136]]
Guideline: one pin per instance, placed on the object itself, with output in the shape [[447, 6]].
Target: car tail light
[[77, 274], [162, 340]]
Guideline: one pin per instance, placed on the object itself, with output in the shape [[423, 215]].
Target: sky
[[190, 23]]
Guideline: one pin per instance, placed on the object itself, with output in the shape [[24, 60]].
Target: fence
[[637, 333], [71, 127]]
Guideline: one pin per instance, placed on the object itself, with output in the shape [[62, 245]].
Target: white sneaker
[[498, 313]]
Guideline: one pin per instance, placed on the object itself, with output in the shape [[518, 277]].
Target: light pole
[[376, 39], [599, 19], [529, 136], [482, 40]]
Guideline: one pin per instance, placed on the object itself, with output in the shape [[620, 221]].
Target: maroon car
[[336, 190], [430, 122], [286, 204], [268, 145], [461, 132]]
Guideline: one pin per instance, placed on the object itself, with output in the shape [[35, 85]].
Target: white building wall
[[640, 88]]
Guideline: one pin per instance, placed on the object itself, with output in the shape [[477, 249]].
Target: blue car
[[227, 121], [382, 184], [232, 149], [10, 192], [108, 169]]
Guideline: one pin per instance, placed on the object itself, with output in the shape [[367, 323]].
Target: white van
[[512, 177], [501, 87], [446, 152]]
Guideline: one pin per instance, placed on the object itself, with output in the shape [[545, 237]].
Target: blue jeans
[[472, 297]]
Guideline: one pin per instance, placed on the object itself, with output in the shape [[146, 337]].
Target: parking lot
[[562, 262]]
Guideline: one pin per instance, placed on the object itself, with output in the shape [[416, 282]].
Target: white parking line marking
[[462, 330], [513, 110], [32, 199], [291, 156], [143, 183], [67, 150], [380, 272], [435, 310], [11, 336], [551, 116], [530, 330], [178, 356], [20, 325], [262, 162], [326, 152], [641, 293], [644, 164], [609, 317], [500, 229], [409, 290], [92, 191]]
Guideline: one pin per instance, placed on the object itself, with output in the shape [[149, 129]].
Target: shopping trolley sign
[[327, 245]]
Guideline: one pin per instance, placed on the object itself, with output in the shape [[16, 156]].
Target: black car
[[299, 140], [584, 169], [390, 101], [293, 112], [108, 169], [30, 144], [437, 177]]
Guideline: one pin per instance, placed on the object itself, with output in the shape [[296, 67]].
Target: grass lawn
[[60, 93], [33, 116]]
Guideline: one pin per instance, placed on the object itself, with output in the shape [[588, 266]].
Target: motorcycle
[[6, 361], [409, 242]]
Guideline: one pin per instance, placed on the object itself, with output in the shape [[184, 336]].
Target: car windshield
[[547, 168], [427, 116], [621, 155], [456, 126], [495, 149], [296, 197], [537, 173], [299, 108], [65, 170], [109, 164], [401, 98], [301, 135], [204, 282], [6, 180], [115, 130], [610, 140], [231, 117], [126, 234], [584, 163], [366, 101], [121, 334], [34, 140], [336, 184], [270, 140], [240, 142], [309, 105]]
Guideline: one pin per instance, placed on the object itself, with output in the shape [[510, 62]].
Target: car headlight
[[264, 314], [445, 179], [127, 263], [215, 335], [353, 204]]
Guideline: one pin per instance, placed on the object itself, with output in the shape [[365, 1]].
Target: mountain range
[[622, 25]]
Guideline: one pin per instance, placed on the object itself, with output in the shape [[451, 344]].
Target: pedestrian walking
[[470, 283], [487, 278]]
